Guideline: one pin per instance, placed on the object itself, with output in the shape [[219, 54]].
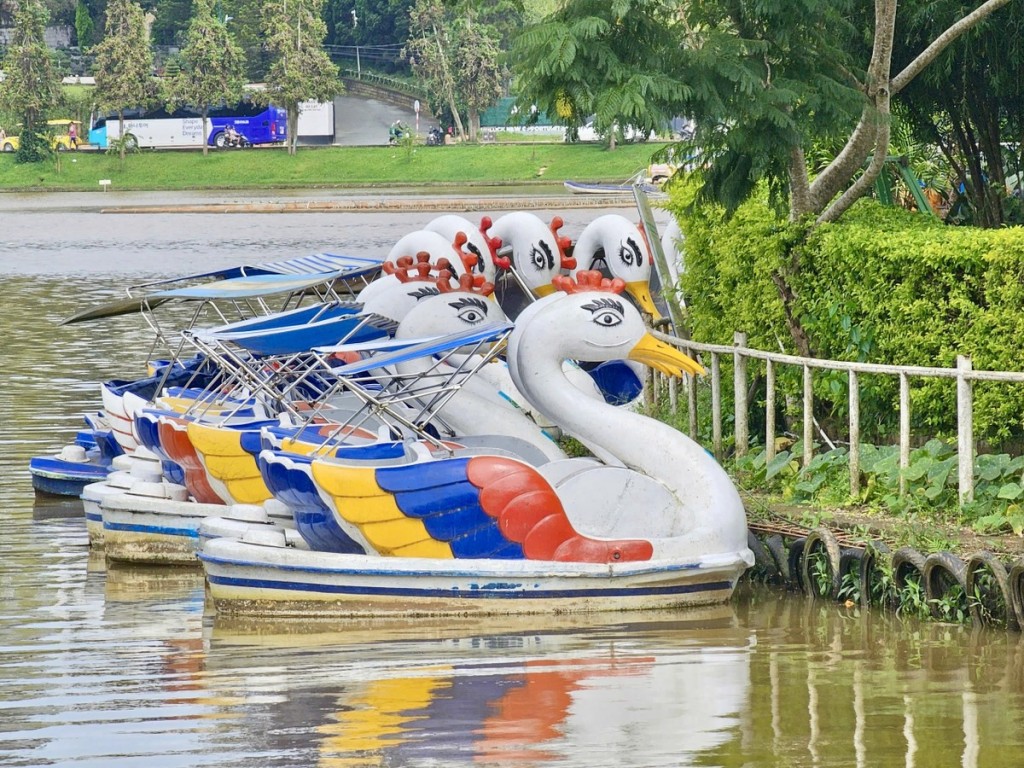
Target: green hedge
[[882, 285]]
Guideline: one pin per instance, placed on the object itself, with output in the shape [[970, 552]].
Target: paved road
[[360, 121]]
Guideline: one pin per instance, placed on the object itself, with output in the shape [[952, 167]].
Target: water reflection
[[530, 691], [110, 666]]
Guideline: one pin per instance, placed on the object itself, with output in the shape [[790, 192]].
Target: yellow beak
[[664, 357], [641, 291], [544, 290]]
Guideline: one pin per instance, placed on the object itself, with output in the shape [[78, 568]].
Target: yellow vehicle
[[61, 136]]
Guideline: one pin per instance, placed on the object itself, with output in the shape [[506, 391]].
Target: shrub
[[882, 285]]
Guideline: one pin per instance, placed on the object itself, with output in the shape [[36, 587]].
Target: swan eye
[[470, 310], [541, 258], [606, 318], [629, 252], [479, 267]]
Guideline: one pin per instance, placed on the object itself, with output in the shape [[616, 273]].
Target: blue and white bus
[[184, 128]]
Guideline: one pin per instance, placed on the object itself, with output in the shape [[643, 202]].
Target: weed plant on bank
[[325, 167]]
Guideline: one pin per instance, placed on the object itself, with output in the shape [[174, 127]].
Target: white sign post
[[416, 109]]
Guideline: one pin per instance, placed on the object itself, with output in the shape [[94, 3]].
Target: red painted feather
[[530, 513]]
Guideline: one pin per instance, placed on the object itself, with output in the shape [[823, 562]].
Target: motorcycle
[[397, 132], [435, 137]]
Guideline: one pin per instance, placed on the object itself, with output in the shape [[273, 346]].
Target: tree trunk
[[799, 185], [206, 143], [872, 131], [879, 98], [293, 127], [120, 121], [474, 125]]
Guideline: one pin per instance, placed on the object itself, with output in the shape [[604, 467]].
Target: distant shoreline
[[447, 204]]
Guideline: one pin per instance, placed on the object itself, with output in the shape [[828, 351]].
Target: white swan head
[[454, 306], [438, 247], [535, 250], [403, 284], [589, 320], [615, 246], [478, 242]]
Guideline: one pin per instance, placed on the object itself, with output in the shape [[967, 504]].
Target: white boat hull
[[125, 471], [261, 580], [155, 531]]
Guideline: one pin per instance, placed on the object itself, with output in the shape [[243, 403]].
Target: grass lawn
[[329, 167]]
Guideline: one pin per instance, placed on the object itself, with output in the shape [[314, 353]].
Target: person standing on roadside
[[73, 135]]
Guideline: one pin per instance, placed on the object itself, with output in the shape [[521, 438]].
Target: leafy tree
[[479, 79], [171, 21], [244, 19], [300, 69], [761, 78], [971, 100], [457, 52], [212, 65], [124, 64], [431, 52], [380, 26], [62, 12], [84, 27], [31, 87], [584, 59]]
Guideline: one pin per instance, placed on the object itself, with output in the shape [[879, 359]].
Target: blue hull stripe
[[192, 533], [509, 591], [390, 572]]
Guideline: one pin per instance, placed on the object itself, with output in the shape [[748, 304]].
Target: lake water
[[103, 666]]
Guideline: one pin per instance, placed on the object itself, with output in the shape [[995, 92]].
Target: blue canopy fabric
[[485, 334]]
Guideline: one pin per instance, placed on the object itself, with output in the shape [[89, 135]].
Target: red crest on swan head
[[589, 280], [466, 283], [421, 270], [567, 262], [468, 259], [493, 243]]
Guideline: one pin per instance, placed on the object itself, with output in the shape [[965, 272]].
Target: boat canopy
[[243, 288], [301, 265], [487, 334]]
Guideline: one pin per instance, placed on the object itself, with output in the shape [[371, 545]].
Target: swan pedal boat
[[656, 524]]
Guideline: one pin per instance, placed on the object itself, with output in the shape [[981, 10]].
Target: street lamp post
[[355, 23]]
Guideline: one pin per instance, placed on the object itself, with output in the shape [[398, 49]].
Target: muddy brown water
[[105, 666]]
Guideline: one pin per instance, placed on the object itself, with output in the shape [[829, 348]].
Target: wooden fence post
[[965, 428], [808, 415], [769, 411], [716, 406], [691, 403], [739, 379], [904, 429], [854, 434]]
